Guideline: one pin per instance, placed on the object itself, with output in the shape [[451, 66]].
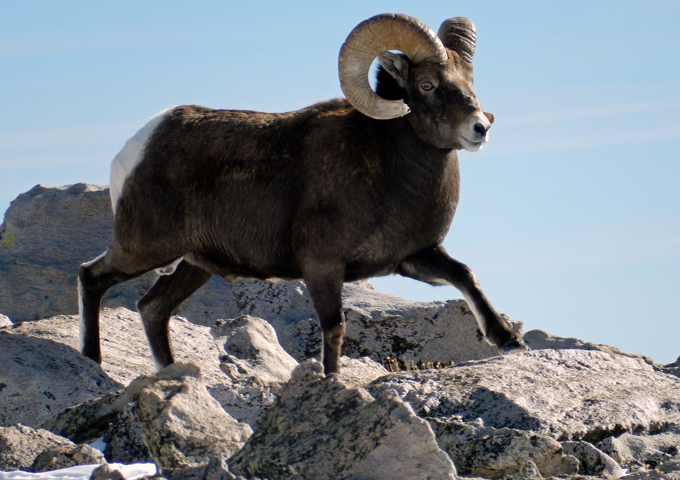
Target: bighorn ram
[[338, 191]]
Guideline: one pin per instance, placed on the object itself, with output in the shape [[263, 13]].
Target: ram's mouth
[[469, 145]]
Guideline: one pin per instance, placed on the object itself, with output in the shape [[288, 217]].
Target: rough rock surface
[[20, 445], [46, 234], [592, 460], [183, 425], [320, 428], [169, 418], [634, 451], [252, 358], [45, 373], [106, 472], [40, 377], [32, 395], [493, 415], [499, 452], [671, 368], [541, 340], [64, 456], [598, 394]]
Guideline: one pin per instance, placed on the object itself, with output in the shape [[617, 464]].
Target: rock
[[215, 469], [183, 425], [46, 234], [528, 471], [497, 417], [41, 377], [320, 428], [598, 394], [105, 472], [64, 456], [253, 360], [251, 347], [123, 435], [169, 418], [381, 325], [541, 340], [38, 353], [20, 445], [666, 471], [592, 460], [643, 450], [500, 452], [360, 371], [671, 368]]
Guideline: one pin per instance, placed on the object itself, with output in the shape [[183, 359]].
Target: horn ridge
[[460, 35]]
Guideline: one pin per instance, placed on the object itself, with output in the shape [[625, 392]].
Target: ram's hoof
[[515, 346]]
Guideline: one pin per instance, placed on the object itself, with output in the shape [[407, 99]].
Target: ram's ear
[[397, 66]]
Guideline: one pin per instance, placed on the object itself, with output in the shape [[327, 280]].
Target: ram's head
[[430, 80]]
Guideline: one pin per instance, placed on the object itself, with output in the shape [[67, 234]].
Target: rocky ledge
[[246, 399]]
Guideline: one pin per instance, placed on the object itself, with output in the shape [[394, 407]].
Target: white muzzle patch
[[474, 133]]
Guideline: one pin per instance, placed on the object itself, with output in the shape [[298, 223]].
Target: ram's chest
[[412, 213], [425, 201]]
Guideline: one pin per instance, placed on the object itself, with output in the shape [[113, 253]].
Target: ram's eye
[[426, 86]]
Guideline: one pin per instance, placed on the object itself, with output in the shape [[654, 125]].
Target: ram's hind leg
[[160, 302], [433, 265], [94, 280]]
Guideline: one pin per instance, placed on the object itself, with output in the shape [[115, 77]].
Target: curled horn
[[369, 39], [459, 34]]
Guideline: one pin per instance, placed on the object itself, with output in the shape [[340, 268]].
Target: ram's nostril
[[480, 129]]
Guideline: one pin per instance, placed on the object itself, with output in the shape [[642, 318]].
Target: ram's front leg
[[434, 266], [324, 281]]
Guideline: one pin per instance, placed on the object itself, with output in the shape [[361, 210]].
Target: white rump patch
[[131, 154]]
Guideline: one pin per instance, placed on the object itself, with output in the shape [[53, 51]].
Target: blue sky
[[569, 216]]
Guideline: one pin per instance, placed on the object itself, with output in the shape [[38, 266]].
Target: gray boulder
[[671, 368], [64, 456], [500, 452], [598, 394], [666, 471], [381, 325], [20, 446], [46, 234], [635, 451], [106, 472], [183, 425], [495, 415], [542, 340], [253, 360], [592, 460], [40, 377], [320, 428], [42, 372], [168, 418]]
